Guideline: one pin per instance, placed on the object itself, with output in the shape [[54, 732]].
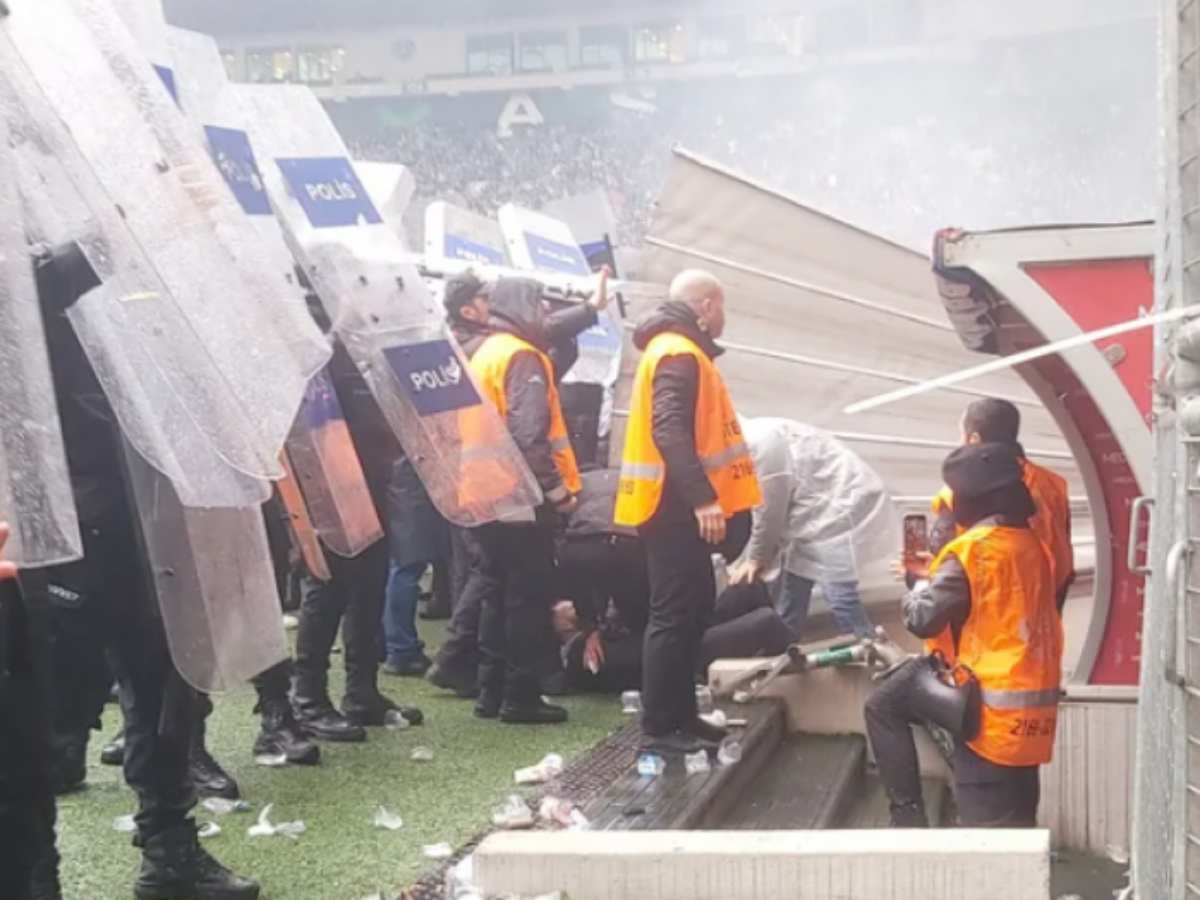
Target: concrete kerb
[[741, 865]]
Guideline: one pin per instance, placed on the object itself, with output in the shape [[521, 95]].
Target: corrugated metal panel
[[1087, 791]]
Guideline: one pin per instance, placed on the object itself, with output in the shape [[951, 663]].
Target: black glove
[[63, 274]]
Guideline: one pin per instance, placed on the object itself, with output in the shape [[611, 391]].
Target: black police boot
[[556, 685], [909, 815], [410, 667], [113, 753], [280, 735], [706, 732], [369, 708], [208, 778], [674, 743], [176, 867], [319, 719], [491, 691], [523, 704], [70, 763], [464, 688]]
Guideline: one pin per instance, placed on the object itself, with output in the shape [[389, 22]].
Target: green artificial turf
[[342, 856]]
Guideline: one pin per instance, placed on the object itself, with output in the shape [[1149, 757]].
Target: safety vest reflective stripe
[[1022, 699], [561, 443], [722, 452]]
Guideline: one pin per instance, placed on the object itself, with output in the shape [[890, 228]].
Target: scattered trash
[[550, 767], [650, 765], [219, 806], [208, 830], [741, 697], [515, 814], [264, 827], [736, 723], [631, 703], [124, 824], [421, 754], [564, 813], [704, 700], [387, 820], [437, 851], [729, 753], [460, 880], [290, 622], [271, 760], [1119, 855], [394, 720], [697, 763], [716, 717]]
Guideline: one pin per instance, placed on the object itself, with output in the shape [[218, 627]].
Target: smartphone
[[916, 537]]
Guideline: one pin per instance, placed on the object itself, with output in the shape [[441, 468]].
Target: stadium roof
[[220, 17]]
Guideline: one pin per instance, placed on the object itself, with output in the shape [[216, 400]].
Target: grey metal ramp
[[810, 783], [871, 809], [676, 800]]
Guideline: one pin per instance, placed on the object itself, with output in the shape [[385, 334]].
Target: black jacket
[[417, 533], [597, 501], [562, 328], [516, 308], [676, 391]]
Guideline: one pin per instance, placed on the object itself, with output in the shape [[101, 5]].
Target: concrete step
[[870, 809]]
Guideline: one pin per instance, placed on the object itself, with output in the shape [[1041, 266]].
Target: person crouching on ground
[[987, 606]]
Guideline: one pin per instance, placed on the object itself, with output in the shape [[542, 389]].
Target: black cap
[[461, 289], [979, 470]]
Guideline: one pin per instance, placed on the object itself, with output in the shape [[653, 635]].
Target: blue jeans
[[400, 612], [842, 597]]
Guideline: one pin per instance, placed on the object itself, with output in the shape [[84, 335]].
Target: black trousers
[[987, 795], [682, 597], [27, 805], [114, 612], [517, 577], [353, 600], [459, 657]]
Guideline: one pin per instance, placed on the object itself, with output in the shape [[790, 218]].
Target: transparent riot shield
[[204, 355], [35, 485], [331, 499], [212, 572], [383, 312]]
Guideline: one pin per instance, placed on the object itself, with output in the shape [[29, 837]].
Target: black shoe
[[70, 764], [113, 753], [209, 779], [539, 712], [556, 685], [176, 867], [322, 721], [464, 688], [412, 667], [436, 612], [676, 743], [488, 705], [706, 732], [909, 815], [281, 735], [372, 710]]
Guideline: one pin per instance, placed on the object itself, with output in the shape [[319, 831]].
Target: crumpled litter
[[514, 814], [388, 821], [650, 765], [631, 702], [393, 720], [271, 760], [563, 813], [460, 880], [1119, 855], [729, 753], [219, 806], [551, 766], [124, 824], [704, 700], [438, 851], [716, 718], [208, 830], [421, 754], [264, 827], [697, 763]]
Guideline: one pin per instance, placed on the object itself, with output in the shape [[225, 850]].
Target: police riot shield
[[231, 627], [35, 486], [383, 312], [321, 455], [203, 354]]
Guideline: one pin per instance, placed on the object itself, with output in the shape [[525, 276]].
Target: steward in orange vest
[[989, 607], [512, 564], [997, 421], [688, 484]]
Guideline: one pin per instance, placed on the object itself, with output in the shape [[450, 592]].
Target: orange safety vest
[[1012, 641], [719, 442], [1051, 522], [485, 478]]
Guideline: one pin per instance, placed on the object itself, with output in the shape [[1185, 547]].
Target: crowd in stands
[[904, 149]]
